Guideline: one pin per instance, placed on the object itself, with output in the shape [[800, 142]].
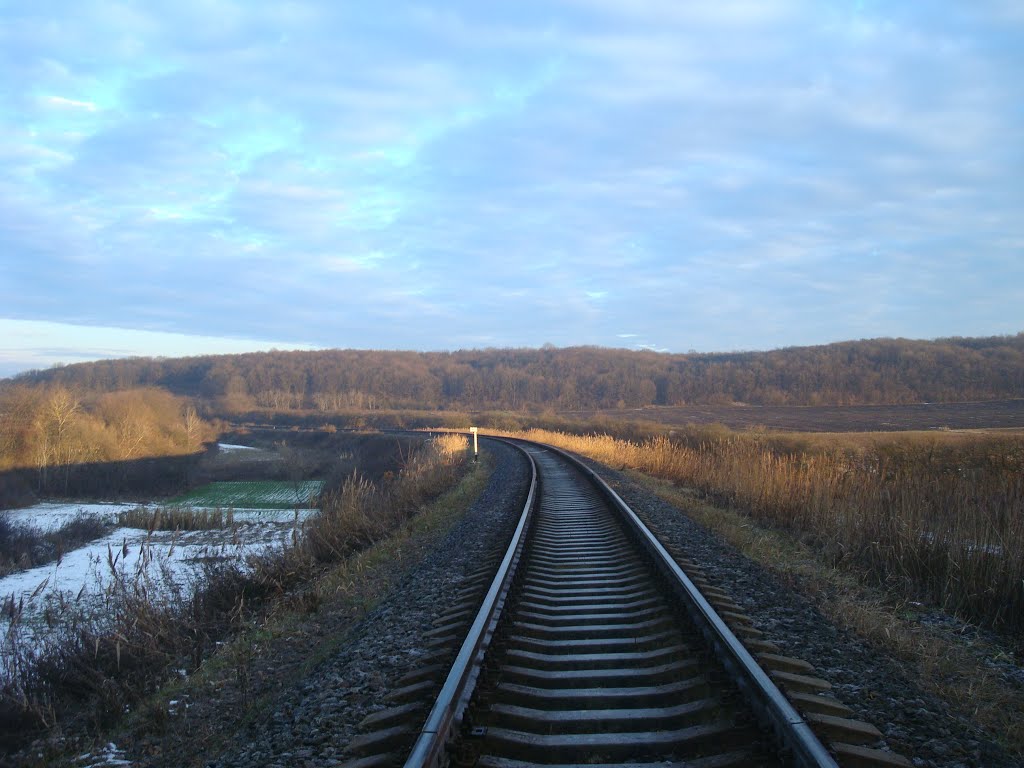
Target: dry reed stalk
[[176, 519]]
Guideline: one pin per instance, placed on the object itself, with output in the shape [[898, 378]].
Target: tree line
[[868, 372]]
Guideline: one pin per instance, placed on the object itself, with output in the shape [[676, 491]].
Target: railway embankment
[[293, 690]]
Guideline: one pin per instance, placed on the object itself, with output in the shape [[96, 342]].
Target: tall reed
[[23, 546], [176, 518]]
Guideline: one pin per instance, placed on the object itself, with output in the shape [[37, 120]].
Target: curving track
[[592, 646], [595, 661]]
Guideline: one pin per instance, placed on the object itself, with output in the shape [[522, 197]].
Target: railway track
[[591, 645]]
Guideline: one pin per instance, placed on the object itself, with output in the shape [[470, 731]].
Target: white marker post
[[475, 451]]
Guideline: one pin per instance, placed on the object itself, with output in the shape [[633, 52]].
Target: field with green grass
[[252, 494]]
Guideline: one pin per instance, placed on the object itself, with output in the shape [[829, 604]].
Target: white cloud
[[359, 263], [60, 101], [658, 12], [37, 344]]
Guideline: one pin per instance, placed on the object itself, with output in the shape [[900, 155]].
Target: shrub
[[360, 512], [23, 547]]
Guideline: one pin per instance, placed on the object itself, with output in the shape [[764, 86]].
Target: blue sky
[[200, 175]]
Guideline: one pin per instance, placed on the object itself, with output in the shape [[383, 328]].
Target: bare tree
[[52, 427], [297, 464], [193, 426]]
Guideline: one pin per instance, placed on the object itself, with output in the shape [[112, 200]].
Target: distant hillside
[[877, 371]]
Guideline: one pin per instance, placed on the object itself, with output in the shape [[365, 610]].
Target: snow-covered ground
[[177, 553], [49, 516], [166, 558], [229, 447]]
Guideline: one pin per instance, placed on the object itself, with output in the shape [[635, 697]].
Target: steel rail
[[770, 705], [445, 717]]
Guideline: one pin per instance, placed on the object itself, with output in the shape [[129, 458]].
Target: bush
[[361, 513], [23, 547]]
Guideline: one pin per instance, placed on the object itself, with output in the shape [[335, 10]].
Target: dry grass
[[252, 660], [361, 513], [176, 519], [950, 665], [451, 445], [939, 520]]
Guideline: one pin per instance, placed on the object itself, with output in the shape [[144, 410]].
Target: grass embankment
[[955, 666], [95, 667]]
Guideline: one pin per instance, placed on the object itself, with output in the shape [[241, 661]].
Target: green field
[[252, 494]]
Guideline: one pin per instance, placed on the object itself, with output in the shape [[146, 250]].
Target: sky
[[205, 176]]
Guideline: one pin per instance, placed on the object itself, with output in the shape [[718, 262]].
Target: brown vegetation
[[176, 519], [859, 372], [993, 414], [962, 665], [359, 513], [93, 667], [934, 517], [52, 428]]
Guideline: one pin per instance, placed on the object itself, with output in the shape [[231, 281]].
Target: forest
[[868, 372], [57, 439]]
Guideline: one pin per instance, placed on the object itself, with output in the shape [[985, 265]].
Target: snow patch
[[49, 516], [171, 563], [107, 756]]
